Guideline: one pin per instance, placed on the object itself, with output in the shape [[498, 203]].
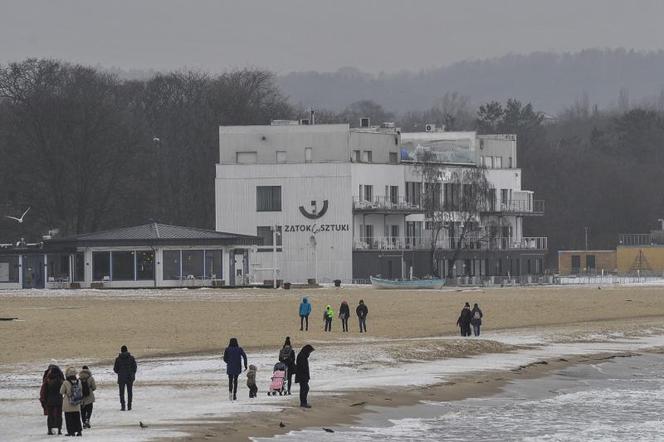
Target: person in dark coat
[[302, 374], [287, 356], [464, 320], [234, 355], [125, 367], [362, 311], [51, 399], [476, 319], [344, 314]]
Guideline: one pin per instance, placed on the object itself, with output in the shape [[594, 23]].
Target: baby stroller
[[279, 376]]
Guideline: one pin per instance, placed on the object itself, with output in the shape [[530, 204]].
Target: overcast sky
[[294, 35]]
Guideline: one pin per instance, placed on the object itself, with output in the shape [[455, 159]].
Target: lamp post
[[274, 255], [156, 142], [312, 240]]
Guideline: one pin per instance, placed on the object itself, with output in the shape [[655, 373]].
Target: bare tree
[[467, 192]]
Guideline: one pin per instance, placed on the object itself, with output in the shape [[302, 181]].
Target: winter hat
[[70, 372], [252, 367], [123, 349]]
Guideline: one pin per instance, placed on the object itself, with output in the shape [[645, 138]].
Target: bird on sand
[[142, 425]]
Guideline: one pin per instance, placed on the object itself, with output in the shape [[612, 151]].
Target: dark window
[[268, 198], [79, 267], [356, 156], [576, 263], [192, 264], [394, 158], [394, 194], [123, 266], [368, 193], [590, 263], [265, 233], [171, 264], [58, 267], [395, 231], [368, 234], [101, 266], [213, 269], [8, 268], [414, 193], [144, 265]]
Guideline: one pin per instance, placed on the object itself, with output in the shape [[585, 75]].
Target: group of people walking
[[469, 318], [328, 315], [297, 366], [72, 392]]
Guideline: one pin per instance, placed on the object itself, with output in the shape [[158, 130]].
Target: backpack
[[86, 388], [477, 315], [76, 396], [285, 353]]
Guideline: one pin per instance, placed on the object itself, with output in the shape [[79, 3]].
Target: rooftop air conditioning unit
[[429, 127], [365, 122]]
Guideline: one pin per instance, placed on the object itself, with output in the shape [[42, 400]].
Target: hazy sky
[[293, 35]]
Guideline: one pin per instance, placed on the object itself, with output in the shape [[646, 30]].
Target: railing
[[449, 243], [517, 206], [635, 239], [383, 203]]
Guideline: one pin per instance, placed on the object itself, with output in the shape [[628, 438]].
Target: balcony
[[381, 204], [539, 243], [517, 207]]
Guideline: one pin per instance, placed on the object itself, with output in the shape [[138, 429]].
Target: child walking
[[251, 381]]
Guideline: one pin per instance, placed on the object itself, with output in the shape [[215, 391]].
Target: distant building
[[636, 254], [347, 203], [150, 255]]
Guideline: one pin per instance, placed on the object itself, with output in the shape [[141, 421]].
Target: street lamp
[[275, 233], [312, 241]]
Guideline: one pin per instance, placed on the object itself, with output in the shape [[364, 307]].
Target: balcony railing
[[640, 239], [535, 207], [382, 203], [448, 243]]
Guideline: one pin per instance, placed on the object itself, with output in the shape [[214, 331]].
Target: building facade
[[150, 255], [346, 203]]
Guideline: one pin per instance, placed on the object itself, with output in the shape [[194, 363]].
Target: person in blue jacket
[[234, 355], [305, 311]]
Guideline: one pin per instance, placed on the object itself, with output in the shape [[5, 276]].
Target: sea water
[[621, 399]]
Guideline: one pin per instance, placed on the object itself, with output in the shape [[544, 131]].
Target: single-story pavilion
[[149, 255]]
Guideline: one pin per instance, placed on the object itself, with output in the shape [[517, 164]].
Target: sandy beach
[[416, 328]]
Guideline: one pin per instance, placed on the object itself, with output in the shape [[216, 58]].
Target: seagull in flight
[[18, 220]]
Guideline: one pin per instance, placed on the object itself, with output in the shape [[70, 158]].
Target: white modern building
[[346, 203]]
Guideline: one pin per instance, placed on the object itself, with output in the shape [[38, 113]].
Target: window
[[281, 156], [394, 158], [394, 194], [368, 193], [213, 269], [394, 231], [144, 265], [58, 267], [576, 264], [481, 160], [8, 268], [499, 162], [101, 266], [490, 162], [171, 264], [509, 162], [356, 156], [246, 157], [307, 154], [504, 198], [192, 264], [268, 198], [265, 233], [590, 263], [368, 234], [414, 193], [79, 267], [367, 156], [123, 266]]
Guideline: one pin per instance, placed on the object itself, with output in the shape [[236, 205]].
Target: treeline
[[88, 151]]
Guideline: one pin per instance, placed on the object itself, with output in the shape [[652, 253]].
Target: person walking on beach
[[305, 311], [88, 385], [51, 398], [476, 319], [344, 314], [251, 381], [287, 356], [125, 367], [362, 311], [302, 374], [328, 314], [72, 395], [234, 355], [464, 320]]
